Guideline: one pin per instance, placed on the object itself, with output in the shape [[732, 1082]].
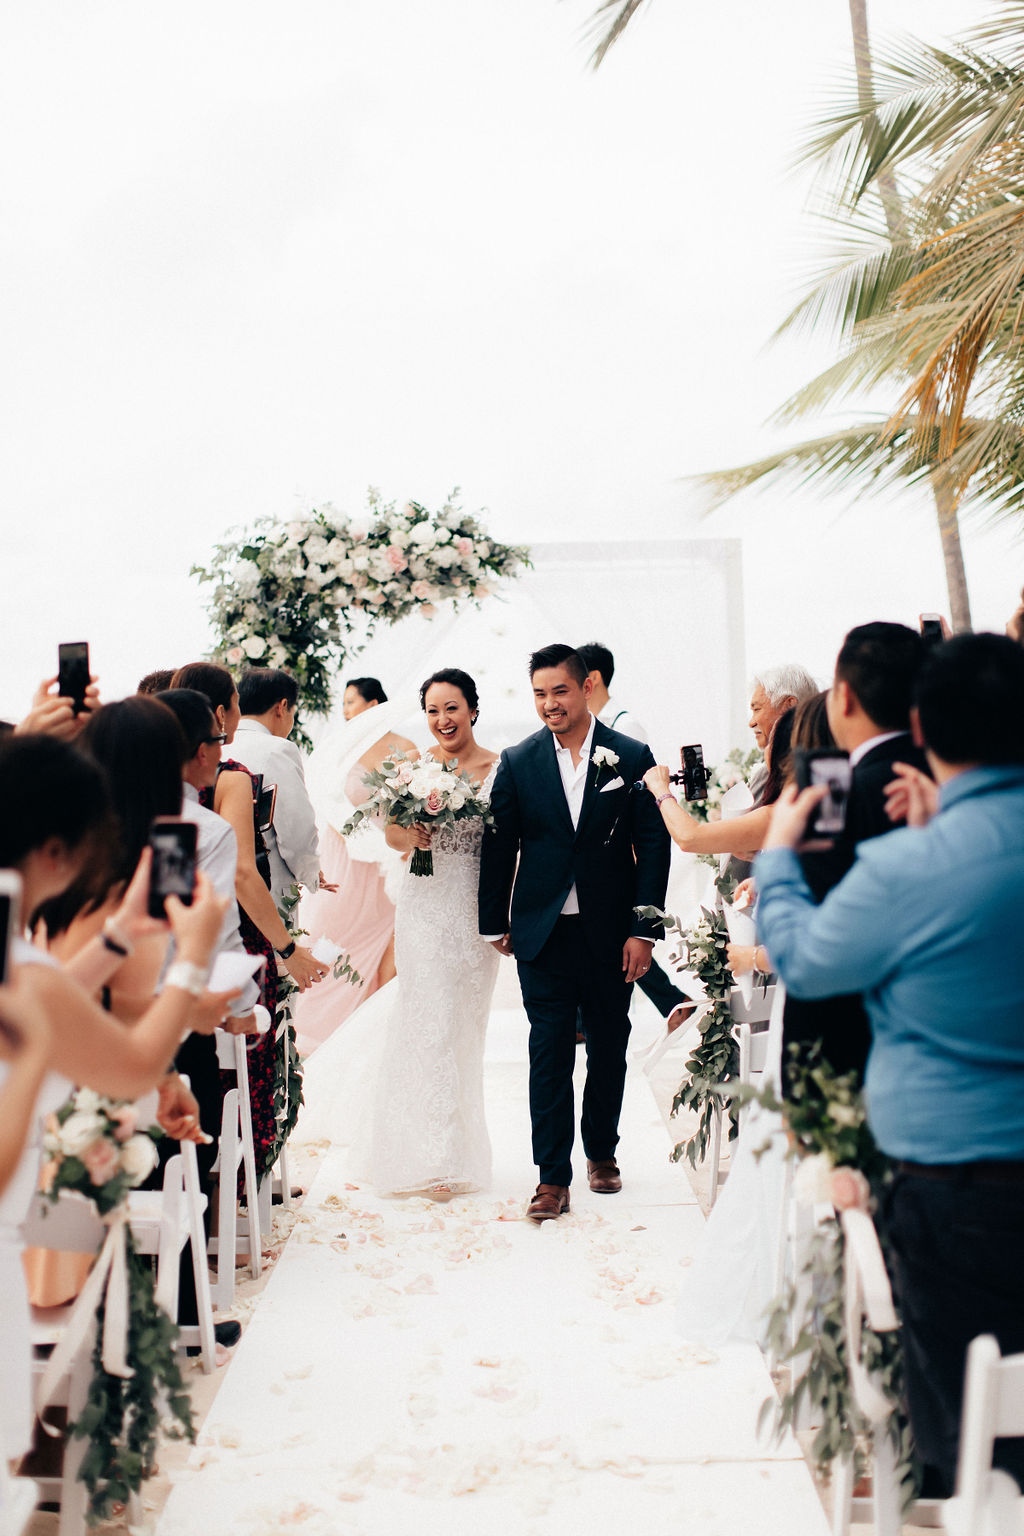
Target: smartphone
[[694, 775], [266, 801], [73, 673], [10, 916], [173, 842], [931, 628], [831, 768]]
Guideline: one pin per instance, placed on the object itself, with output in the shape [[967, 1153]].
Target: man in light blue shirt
[[927, 925]]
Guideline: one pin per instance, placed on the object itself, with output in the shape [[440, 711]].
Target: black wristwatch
[[287, 952]]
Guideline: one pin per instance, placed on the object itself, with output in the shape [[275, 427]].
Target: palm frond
[[864, 452], [608, 31]]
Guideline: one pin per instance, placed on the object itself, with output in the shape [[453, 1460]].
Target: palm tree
[[928, 293]]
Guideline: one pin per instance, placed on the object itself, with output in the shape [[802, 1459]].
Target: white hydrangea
[[246, 577], [138, 1157]]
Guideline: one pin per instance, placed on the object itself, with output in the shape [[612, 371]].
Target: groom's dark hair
[[559, 656]]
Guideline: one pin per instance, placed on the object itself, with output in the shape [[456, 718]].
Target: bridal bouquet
[[408, 790], [97, 1150]]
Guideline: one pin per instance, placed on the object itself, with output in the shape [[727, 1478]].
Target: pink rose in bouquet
[[849, 1189], [396, 557], [435, 802], [126, 1120], [101, 1161]]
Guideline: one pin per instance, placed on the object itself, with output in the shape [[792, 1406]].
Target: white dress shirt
[[870, 745], [574, 782], [292, 842], [217, 857], [618, 719]]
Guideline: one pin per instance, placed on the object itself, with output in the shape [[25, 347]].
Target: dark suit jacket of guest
[[617, 857], [841, 1023], [865, 811]]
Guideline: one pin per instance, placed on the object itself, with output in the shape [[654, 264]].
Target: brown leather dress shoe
[[604, 1176], [551, 1200]]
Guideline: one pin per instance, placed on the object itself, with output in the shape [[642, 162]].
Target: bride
[[426, 1132]]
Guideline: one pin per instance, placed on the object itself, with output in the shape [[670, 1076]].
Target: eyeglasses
[[214, 741]]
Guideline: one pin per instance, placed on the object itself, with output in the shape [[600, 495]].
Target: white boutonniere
[[603, 757]]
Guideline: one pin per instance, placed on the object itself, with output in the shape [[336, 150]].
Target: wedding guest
[[868, 707], [25, 1046], [139, 746], [740, 834], [926, 926], [156, 682], [268, 700], [53, 714], [600, 665], [772, 693], [62, 822], [359, 913], [673, 1005]]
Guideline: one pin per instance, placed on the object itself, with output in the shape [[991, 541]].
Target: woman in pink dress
[[360, 915]]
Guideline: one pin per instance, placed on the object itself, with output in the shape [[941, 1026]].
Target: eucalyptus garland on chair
[[95, 1149], [714, 1060], [840, 1167]]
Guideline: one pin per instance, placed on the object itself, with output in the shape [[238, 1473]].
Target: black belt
[[994, 1171]]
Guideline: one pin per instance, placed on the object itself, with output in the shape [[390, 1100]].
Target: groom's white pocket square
[[615, 784]]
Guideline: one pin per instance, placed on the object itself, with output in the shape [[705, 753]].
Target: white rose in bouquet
[[423, 535], [361, 562], [79, 1131], [337, 550], [89, 1101], [138, 1157], [254, 646], [344, 568]]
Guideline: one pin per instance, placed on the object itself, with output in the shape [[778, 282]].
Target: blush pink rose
[[405, 773], [397, 557], [420, 590], [849, 1189], [101, 1162], [434, 802], [126, 1119], [464, 546]]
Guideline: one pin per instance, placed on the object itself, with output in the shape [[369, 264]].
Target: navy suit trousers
[[566, 979]]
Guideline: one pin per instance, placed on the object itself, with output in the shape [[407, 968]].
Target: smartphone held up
[[10, 917], [73, 673], [830, 768], [173, 871]]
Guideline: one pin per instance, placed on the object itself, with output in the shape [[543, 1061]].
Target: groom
[[589, 850]]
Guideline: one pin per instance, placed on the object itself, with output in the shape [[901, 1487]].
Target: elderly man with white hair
[[771, 693]]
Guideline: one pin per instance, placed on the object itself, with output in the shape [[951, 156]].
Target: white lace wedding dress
[[425, 1128]]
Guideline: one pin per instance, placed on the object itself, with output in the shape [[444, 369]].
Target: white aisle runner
[[455, 1369]]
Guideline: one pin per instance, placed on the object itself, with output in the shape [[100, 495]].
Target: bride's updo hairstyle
[[456, 679], [368, 689]]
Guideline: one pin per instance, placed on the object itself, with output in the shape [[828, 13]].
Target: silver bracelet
[[190, 978]]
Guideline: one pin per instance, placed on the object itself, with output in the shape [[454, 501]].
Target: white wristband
[[190, 978]]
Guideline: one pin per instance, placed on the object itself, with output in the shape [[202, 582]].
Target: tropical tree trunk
[[945, 501], [953, 556]]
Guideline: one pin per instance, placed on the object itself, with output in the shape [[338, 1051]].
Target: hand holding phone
[[73, 673], [173, 871], [830, 768], [694, 775]]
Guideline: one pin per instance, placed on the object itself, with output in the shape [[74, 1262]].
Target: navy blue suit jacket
[[617, 857]]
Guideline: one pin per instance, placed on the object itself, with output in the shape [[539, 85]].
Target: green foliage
[[123, 1418], [713, 1063]]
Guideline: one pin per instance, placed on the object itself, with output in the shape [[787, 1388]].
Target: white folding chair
[[234, 1235], [71, 1225], [988, 1502], [278, 1180], [162, 1222]]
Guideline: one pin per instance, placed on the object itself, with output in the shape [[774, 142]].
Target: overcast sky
[[258, 256]]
